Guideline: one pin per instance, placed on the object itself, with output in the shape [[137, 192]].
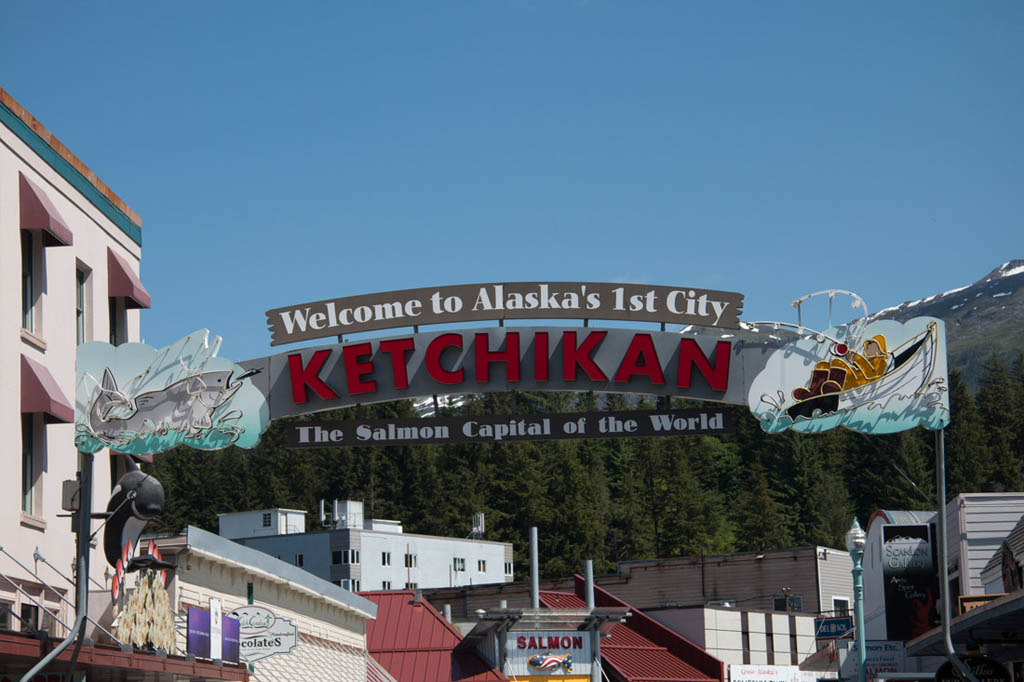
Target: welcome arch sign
[[874, 376]]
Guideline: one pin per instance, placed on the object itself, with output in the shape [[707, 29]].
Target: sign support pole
[[940, 488], [84, 520]]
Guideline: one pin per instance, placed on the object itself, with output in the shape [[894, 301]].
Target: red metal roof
[[641, 649], [415, 643]]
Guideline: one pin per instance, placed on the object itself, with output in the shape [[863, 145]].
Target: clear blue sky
[[288, 152]]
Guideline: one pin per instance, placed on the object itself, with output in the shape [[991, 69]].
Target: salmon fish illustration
[[551, 662], [186, 406]]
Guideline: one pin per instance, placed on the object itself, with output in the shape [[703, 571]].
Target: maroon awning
[[39, 213], [121, 281], [40, 393]]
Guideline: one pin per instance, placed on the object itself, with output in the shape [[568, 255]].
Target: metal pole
[[534, 570], [595, 635], [940, 488], [858, 614], [588, 583], [82, 570]]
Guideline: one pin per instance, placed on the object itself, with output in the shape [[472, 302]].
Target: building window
[[355, 585], [385, 584], [840, 607], [345, 556], [410, 561], [385, 558], [793, 602], [299, 560], [266, 515], [28, 281], [508, 568], [6, 615], [29, 618], [411, 586], [481, 566], [117, 324], [81, 324], [460, 564], [28, 463], [335, 557], [350, 585]]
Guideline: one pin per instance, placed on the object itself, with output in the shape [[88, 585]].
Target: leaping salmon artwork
[[549, 662], [187, 405], [140, 401]]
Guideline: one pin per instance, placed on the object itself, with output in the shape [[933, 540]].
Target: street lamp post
[[855, 541]]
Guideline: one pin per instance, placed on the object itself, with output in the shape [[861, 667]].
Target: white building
[[69, 262], [739, 637], [370, 554], [331, 622]]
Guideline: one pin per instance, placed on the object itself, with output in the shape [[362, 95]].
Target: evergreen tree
[[968, 465], [994, 401], [761, 519]]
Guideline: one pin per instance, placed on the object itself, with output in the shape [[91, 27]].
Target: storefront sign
[[202, 634], [882, 656], [492, 429], [262, 633], [506, 301], [544, 654], [910, 578], [967, 603], [985, 669], [769, 673], [833, 628]]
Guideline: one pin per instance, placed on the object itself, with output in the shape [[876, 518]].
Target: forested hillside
[[619, 499]]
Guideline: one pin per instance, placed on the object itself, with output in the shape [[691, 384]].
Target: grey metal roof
[[246, 556], [904, 517]]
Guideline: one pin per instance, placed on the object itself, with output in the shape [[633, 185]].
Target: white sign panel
[[769, 673], [883, 656], [547, 653], [216, 630], [261, 633]]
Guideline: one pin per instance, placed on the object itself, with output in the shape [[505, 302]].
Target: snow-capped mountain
[[982, 319]]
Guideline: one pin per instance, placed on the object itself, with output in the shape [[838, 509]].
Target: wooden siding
[[977, 524], [835, 577], [750, 582]]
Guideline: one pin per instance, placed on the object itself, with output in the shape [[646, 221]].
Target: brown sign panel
[[505, 301], [494, 429], [971, 602]]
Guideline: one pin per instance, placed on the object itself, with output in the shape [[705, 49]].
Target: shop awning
[[39, 213], [40, 393], [998, 624], [121, 281]]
